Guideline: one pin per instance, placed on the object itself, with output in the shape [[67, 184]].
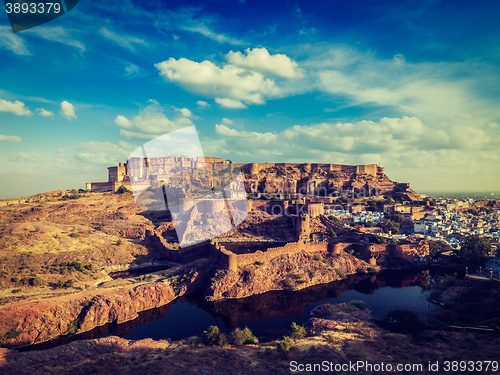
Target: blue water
[[270, 315]]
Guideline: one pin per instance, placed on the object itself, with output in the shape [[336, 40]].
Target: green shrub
[[66, 284], [196, 341], [121, 190], [249, 336], [17, 290], [237, 337], [403, 321], [75, 235], [297, 331], [213, 336], [285, 345], [356, 305], [340, 273], [73, 327], [119, 242], [6, 336], [37, 281], [331, 339]]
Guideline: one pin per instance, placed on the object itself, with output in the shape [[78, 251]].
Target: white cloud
[[208, 79], [493, 125], [399, 59], [44, 113], [67, 110], [229, 103], [259, 59], [432, 91], [205, 31], [405, 146], [123, 122], [203, 104], [228, 132], [12, 42], [10, 138], [15, 107], [152, 122], [131, 70], [186, 112], [227, 121], [56, 34], [128, 42]]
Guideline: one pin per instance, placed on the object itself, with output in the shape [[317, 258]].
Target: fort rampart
[[370, 252], [372, 169]]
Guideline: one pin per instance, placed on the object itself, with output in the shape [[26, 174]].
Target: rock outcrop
[[43, 320], [286, 272]]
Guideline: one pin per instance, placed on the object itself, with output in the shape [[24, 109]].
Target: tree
[[474, 250], [332, 233], [389, 225], [436, 248], [121, 190]]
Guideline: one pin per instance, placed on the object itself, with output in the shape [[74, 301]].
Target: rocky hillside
[[269, 179], [287, 272]]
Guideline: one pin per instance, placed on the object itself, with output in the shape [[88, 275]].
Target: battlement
[[371, 169], [160, 168]]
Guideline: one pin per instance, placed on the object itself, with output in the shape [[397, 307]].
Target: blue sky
[[412, 85]]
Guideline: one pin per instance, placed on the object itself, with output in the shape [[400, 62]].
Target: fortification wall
[[412, 252], [232, 261], [373, 169], [181, 255]]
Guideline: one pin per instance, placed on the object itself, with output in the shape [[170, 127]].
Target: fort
[[154, 170]]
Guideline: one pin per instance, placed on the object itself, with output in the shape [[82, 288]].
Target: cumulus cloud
[[405, 146], [202, 104], [386, 136], [186, 112], [152, 122], [18, 108], [123, 122], [125, 41], [227, 121], [67, 110], [437, 91], [44, 113], [259, 59], [493, 125], [9, 138], [229, 103], [229, 82], [12, 42]]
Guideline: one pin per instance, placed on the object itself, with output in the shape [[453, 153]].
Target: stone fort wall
[[370, 252], [372, 169]]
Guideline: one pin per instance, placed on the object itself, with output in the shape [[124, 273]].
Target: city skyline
[[411, 86]]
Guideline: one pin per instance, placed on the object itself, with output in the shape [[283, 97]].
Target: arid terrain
[[336, 335], [57, 255]]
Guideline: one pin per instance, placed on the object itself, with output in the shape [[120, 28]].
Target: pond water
[[270, 315]]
